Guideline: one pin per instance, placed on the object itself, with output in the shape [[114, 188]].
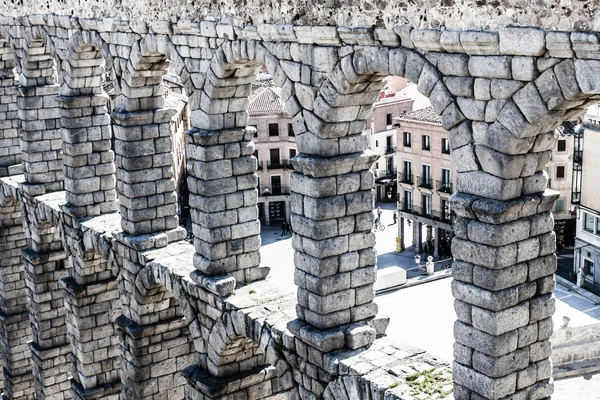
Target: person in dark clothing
[[395, 218], [283, 228]]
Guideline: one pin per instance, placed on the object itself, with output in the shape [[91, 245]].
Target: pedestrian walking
[[283, 228], [395, 217], [379, 213]]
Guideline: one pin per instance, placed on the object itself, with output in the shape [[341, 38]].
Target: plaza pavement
[[423, 315]]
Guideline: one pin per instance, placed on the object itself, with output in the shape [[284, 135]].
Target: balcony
[[406, 178], [443, 216], [391, 173], [443, 186], [273, 190], [390, 149], [406, 206], [425, 182], [281, 164]]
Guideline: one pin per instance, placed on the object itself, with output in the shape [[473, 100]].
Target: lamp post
[[429, 265]]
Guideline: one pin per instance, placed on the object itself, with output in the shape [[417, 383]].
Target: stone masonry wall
[[462, 14], [112, 289]]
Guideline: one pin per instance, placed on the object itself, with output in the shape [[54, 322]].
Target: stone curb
[[571, 287], [417, 281]]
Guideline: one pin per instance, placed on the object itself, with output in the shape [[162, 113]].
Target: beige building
[[587, 240], [425, 180], [381, 127], [275, 146]]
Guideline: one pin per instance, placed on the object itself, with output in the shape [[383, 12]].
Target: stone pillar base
[[111, 391], [51, 369], [144, 373], [257, 383], [18, 386], [16, 332]]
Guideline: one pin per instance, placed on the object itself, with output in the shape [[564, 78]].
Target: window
[[598, 226], [407, 177], [388, 119], [406, 139], [275, 159], [588, 223], [560, 172], [445, 146], [562, 145], [407, 203], [560, 205], [276, 184], [291, 130], [445, 209], [292, 153], [273, 129], [426, 204], [426, 142]]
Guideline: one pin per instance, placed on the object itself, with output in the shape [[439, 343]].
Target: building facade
[[425, 180], [587, 240], [275, 145], [382, 131]]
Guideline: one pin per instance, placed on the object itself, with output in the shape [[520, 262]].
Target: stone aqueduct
[[108, 292]]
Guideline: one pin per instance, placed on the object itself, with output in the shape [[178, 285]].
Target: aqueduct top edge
[[575, 15]]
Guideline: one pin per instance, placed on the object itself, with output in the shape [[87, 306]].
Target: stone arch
[[11, 159], [158, 311], [15, 326], [144, 142], [38, 111], [38, 59], [223, 100], [142, 84], [219, 118], [87, 56], [244, 357], [87, 146], [45, 264]]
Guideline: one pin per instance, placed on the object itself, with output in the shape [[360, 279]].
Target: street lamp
[[428, 267]]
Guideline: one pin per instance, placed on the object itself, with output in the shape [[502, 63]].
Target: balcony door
[[390, 166], [446, 181], [408, 200], [274, 157], [426, 175], [407, 168], [426, 204], [276, 184]]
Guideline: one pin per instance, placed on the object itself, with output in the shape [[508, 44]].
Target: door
[[276, 184], [588, 269], [274, 157], [390, 166]]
